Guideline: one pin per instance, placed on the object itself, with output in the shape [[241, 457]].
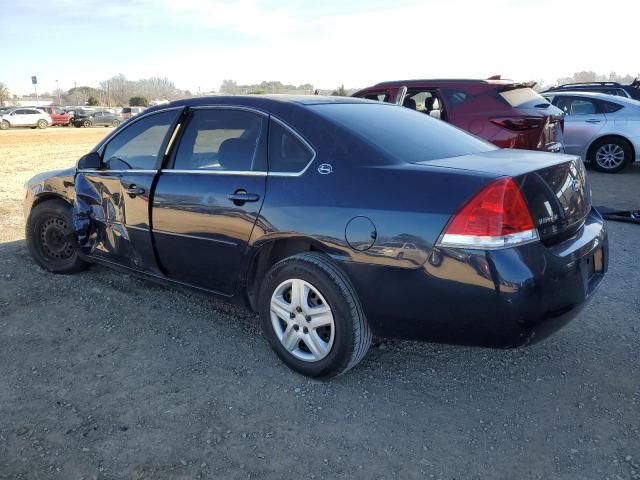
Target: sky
[[198, 43]]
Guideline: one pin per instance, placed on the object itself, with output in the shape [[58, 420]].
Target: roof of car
[[502, 81], [602, 96], [262, 99]]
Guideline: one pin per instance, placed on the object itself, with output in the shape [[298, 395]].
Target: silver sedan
[[602, 129]]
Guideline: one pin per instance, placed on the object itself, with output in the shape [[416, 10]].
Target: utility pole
[[58, 91], [34, 80]]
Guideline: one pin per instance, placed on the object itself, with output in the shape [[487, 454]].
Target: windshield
[[404, 134]]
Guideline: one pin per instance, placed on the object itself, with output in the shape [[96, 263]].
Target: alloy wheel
[[302, 320], [610, 156]]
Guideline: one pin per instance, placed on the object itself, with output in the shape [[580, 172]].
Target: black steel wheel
[[50, 238]]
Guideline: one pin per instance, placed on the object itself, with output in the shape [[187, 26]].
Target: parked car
[[335, 219], [25, 117], [608, 88], [128, 112], [508, 114], [57, 114], [602, 129], [96, 119]]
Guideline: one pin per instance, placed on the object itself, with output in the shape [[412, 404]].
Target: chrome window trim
[[133, 170], [304, 141], [230, 107], [215, 172]]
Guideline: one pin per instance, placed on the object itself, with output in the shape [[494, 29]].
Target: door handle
[[239, 197], [134, 190], [593, 120]]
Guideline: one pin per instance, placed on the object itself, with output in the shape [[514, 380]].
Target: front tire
[[610, 155], [86, 123], [48, 230], [115, 123], [312, 317], [4, 125]]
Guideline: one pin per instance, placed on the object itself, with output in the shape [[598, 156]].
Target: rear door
[[115, 198], [209, 195], [583, 120]]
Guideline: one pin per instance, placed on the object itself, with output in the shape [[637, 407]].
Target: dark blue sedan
[[334, 218]]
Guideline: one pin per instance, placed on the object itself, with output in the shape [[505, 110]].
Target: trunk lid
[[555, 186]]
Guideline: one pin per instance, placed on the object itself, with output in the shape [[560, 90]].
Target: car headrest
[[409, 103], [236, 154]]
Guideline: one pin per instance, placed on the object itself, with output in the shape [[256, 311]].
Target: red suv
[[57, 114], [508, 114]]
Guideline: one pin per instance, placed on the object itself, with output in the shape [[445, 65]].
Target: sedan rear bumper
[[499, 298]]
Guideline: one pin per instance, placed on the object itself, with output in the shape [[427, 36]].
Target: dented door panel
[[112, 223]]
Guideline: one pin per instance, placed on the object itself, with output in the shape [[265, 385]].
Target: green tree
[[93, 102], [139, 101]]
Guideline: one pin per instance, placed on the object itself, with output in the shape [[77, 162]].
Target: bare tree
[[5, 95]]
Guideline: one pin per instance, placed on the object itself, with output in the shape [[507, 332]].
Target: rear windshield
[[404, 134], [524, 98]]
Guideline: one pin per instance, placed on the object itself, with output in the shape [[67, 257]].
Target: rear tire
[[86, 123], [610, 155], [48, 225], [42, 124], [325, 332], [115, 123]]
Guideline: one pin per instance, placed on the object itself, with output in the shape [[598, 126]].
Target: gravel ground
[[105, 376]]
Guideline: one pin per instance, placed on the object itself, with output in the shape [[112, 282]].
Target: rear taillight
[[519, 124], [496, 217]]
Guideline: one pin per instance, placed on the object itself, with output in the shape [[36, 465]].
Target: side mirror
[[90, 161]]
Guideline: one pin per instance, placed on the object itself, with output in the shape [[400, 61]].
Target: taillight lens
[[496, 217], [519, 124]]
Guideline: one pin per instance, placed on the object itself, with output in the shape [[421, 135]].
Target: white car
[[602, 129], [25, 117]]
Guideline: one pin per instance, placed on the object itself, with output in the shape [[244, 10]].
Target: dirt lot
[[106, 376]]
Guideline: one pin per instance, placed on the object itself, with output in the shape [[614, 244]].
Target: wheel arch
[[268, 254], [613, 136], [46, 197]]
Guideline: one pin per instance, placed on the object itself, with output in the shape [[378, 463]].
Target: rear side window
[[523, 98], [609, 107], [140, 145], [453, 98], [405, 135], [223, 139], [287, 152], [584, 105]]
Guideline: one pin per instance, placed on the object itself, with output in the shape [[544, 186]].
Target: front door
[[21, 117], [208, 197], [114, 199], [583, 120]]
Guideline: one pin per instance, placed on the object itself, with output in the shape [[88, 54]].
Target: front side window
[[377, 96], [422, 101], [141, 145], [287, 152], [223, 139]]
